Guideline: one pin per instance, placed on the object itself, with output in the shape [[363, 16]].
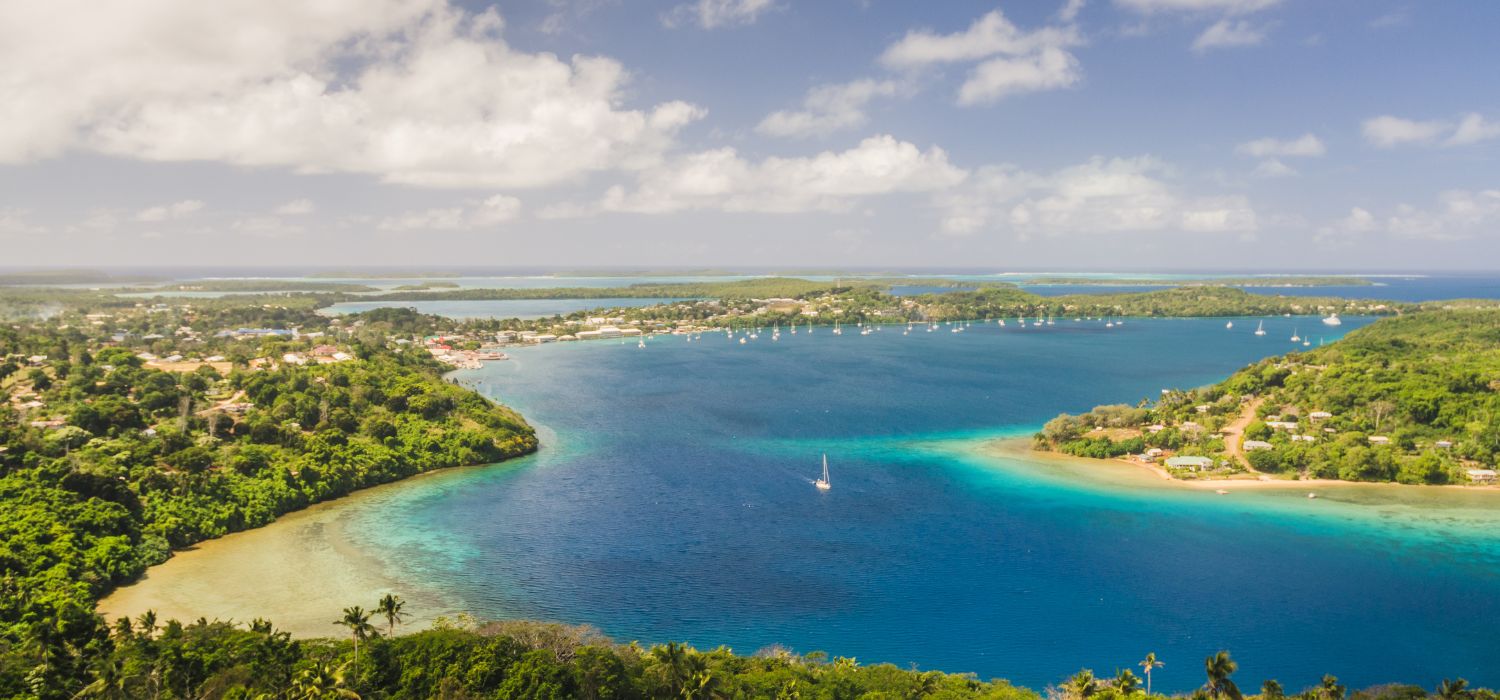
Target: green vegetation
[[425, 286], [108, 464], [1269, 281], [518, 659], [1414, 399]]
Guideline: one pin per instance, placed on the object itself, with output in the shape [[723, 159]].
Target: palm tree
[[147, 621], [1126, 682], [320, 682], [111, 682], [1081, 685], [389, 607], [1272, 690], [1149, 663], [1219, 668], [1330, 689], [358, 622], [673, 657], [1453, 690]]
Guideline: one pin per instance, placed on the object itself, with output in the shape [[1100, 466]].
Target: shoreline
[[304, 565], [1019, 448]]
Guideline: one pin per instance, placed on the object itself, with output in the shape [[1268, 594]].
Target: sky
[[1267, 135]]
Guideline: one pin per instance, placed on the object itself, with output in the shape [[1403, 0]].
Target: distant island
[[1268, 281], [1410, 400]]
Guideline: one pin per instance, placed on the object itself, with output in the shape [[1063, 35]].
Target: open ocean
[[672, 500]]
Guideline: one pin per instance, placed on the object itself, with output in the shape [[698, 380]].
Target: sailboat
[[1295, 337], [641, 343], [1332, 320], [1260, 329], [1229, 324], [824, 484]]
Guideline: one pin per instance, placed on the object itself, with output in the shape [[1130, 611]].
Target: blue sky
[[1207, 134]]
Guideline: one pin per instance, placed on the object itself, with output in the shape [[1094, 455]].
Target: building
[[1379, 440], [1482, 476], [1190, 463], [1251, 445], [1319, 415], [1443, 444]]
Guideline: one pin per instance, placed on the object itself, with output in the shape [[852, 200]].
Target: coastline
[[305, 565], [1019, 448]]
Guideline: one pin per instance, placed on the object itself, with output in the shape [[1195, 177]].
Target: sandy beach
[[1136, 473], [303, 567]]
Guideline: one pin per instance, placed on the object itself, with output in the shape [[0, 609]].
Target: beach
[[304, 567], [1132, 472]]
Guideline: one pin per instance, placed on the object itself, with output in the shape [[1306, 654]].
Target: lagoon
[[672, 499]]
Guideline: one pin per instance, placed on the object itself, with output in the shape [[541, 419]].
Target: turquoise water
[[672, 499]]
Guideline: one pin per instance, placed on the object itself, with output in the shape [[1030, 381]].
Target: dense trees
[[149, 460], [1413, 399]]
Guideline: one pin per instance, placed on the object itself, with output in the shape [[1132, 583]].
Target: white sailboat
[[1332, 320], [1295, 337], [1229, 324], [824, 484], [1260, 329]]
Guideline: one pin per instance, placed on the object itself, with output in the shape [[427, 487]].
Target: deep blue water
[[672, 499], [499, 308]]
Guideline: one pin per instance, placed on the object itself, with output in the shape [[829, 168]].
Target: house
[[1155, 428], [1304, 438], [1319, 415], [1482, 476], [1191, 427], [1202, 408], [1190, 463], [609, 332], [1280, 425], [1252, 445], [1379, 440], [1443, 444]]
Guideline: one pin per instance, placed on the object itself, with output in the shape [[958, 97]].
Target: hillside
[[1414, 399]]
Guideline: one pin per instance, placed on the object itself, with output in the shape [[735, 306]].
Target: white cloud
[[1019, 61], [989, 35], [413, 92], [268, 226], [1305, 146], [1070, 10], [1050, 69], [828, 108], [487, 213], [296, 207], [829, 181], [1229, 33], [1388, 131], [1119, 195], [1473, 128], [169, 212], [1458, 215], [1273, 167], [15, 222], [1231, 7], [712, 14]]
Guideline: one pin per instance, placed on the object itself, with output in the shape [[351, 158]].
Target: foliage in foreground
[[551, 661]]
